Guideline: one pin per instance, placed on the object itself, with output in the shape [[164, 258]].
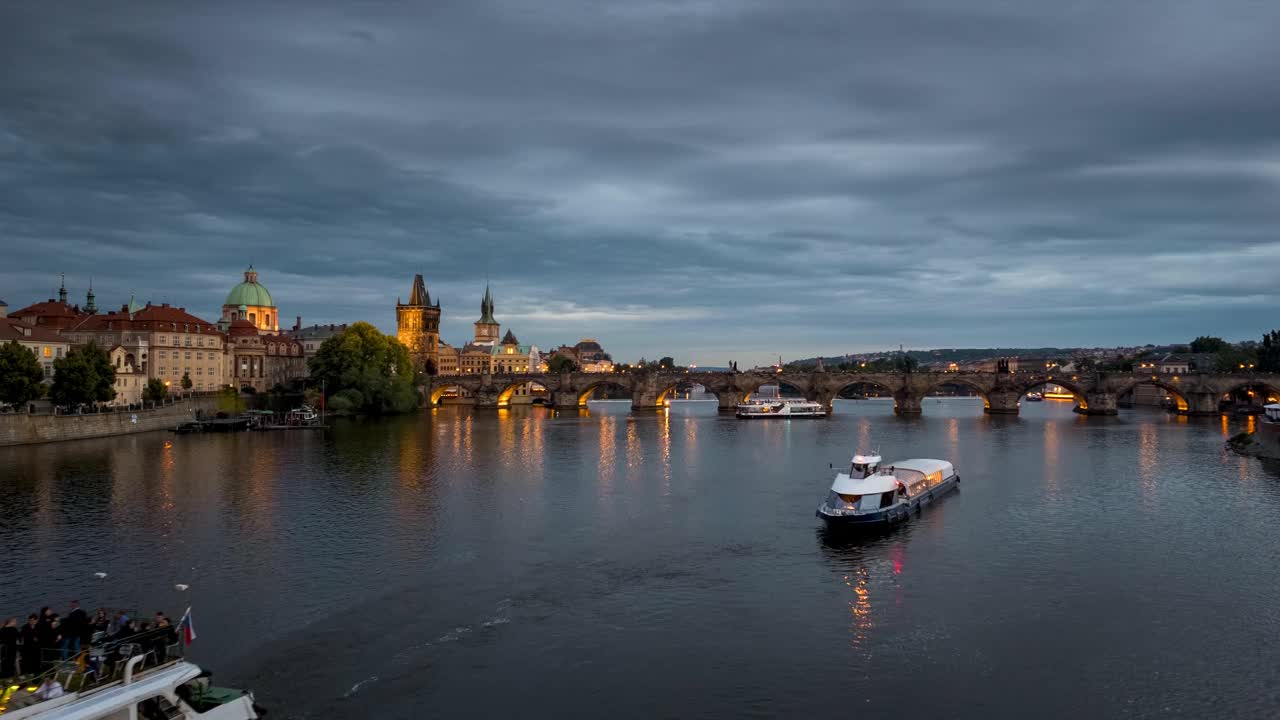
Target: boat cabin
[[864, 465], [1272, 412]]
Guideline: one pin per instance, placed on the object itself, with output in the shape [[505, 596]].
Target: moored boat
[[1035, 397], [781, 408], [141, 676], [871, 494]]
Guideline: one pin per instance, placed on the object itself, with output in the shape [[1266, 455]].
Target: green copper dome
[[249, 292]]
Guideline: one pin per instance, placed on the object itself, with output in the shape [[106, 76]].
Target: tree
[[1207, 344], [905, 363], [155, 391], [429, 367], [20, 374], [666, 362], [186, 381], [1269, 352], [84, 376], [377, 369], [229, 400], [558, 364]]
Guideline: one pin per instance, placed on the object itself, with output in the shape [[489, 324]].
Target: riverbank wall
[[1263, 442], [23, 429]]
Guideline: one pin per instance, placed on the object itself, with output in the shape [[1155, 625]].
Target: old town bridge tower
[[418, 326]]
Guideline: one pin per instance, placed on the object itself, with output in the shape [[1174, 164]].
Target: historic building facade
[[158, 341], [418, 326]]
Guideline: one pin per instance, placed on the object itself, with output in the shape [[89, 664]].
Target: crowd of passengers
[[48, 640]]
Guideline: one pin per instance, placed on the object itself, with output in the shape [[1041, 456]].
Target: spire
[[510, 338], [486, 307], [419, 296], [251, 275], [62, 289], [90, 304], [133, 307]]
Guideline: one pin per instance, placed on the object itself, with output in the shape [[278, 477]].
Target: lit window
[[48, 351]]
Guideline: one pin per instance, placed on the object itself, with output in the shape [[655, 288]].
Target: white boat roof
[[1271, 406], [864, 459], [870, 485], [113, 698], [924, 466]]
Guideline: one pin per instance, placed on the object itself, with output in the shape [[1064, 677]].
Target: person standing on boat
[[75, 630], [30, 637], [9, 649]]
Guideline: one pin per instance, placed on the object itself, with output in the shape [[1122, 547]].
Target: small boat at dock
[[871, 494]]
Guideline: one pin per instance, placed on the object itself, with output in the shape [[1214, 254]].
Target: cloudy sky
[[709, 179]]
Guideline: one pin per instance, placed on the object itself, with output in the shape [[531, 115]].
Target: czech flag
[[188, 629]]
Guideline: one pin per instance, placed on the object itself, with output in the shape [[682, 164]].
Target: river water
[[478, 564]]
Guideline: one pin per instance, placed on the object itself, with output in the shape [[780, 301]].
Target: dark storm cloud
[[709, 179]]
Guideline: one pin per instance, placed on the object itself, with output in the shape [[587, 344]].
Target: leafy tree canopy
[[84, 376], [155, 391], [20, 374], [561, 364], [1207, 344], [376, 368], [1269, 352]]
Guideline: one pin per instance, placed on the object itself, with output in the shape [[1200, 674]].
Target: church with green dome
[[251, 301]]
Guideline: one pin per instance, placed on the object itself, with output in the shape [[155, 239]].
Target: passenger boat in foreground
[[871, 494], [141, 676], [781, 408]]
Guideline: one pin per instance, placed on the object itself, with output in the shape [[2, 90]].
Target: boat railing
[[96, 666]]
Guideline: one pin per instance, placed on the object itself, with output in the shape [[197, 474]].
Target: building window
[[188, 355], [48, 351], [266, 320], [160, 354], [187, 341], [200, 342], [199, 355], [59, 352], [253, 318]]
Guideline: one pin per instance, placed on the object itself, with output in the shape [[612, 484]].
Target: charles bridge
[[1097, 393]]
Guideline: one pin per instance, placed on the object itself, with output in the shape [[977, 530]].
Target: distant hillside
[[948, 355]]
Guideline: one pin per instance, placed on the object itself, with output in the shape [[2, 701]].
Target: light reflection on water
[[567, 554]]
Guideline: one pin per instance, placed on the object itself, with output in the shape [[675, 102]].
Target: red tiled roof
[[48, 308], [11, 329], [158, 318]]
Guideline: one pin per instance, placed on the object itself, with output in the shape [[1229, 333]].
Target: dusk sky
[[710, 180]]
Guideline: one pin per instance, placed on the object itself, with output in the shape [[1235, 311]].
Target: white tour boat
[[781, 408], [126, 680], [872, 494]]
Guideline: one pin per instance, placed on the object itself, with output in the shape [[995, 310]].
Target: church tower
[[418, 326], [486, 327]]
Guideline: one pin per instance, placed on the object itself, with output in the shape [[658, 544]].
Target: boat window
[[849, 498], [869, 502], [886, 499]]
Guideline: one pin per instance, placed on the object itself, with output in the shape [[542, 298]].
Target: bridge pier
[[564, 399], [1099, 403], [1003, 402], [1202, 404], [487, 397], [905, 403]]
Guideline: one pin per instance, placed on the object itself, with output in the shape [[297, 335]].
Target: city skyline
[[714, 182]]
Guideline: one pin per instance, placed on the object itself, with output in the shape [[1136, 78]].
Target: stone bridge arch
[[583, 389], [983, 389], [1181, 395], [509, 388], [1079, 389]]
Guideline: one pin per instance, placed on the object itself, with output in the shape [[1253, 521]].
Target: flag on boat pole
[[188, 629]]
